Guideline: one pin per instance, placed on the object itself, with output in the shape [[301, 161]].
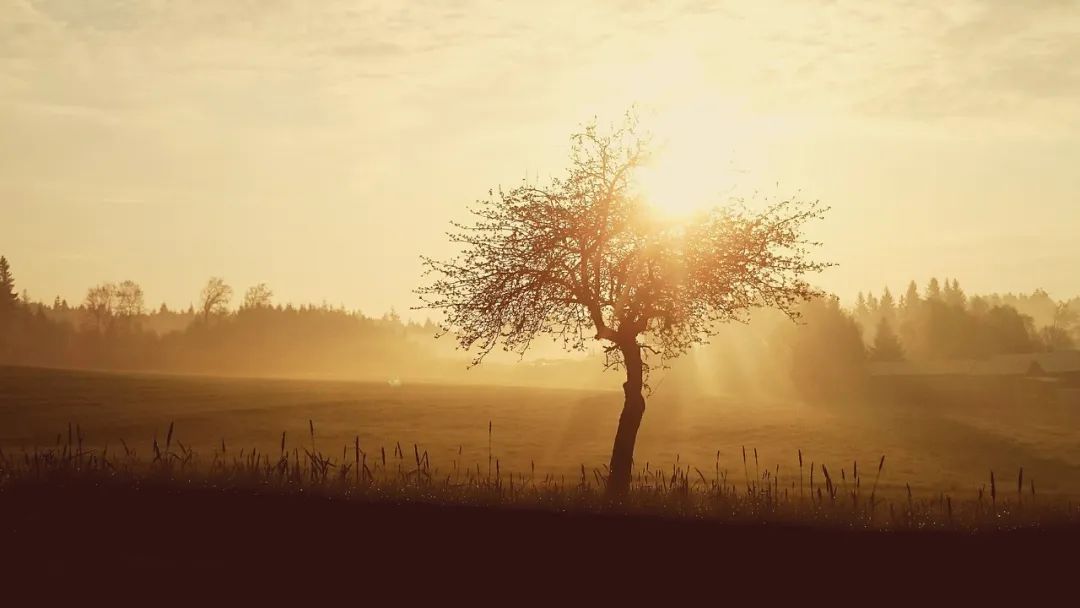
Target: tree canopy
[[586, 257]]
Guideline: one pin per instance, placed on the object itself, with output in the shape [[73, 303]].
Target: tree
[[953, 295], [887, 305], [933, 290], [1008, 331], [392, 317], [1065, 317], [258, 296], [1055, 338], [1058, 336], [9, 300], [8, 295], [886, 343], [861, 311], [100, 303], [911, 298], [585, 258], [826, 352], [979, 306], [873, 306], [129, 300], [215, 298]]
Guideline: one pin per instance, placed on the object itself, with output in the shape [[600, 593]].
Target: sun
[[691, 168], [682, 182]]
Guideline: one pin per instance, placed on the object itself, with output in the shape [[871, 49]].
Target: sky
[[321, 147]]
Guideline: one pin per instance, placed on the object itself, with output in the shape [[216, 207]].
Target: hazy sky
[[322, 146]]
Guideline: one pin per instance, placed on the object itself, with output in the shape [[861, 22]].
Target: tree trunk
[[622, 454]]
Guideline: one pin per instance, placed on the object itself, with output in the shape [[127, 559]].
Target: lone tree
[[584, 257]]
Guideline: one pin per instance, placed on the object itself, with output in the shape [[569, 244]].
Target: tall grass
[[675, 490]]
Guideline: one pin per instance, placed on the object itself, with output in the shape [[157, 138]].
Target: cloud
[[997, 61]]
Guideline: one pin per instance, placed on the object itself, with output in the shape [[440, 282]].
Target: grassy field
[[949, 450], [175, 505]]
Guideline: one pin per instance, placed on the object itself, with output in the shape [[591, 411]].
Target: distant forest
[[112, 328], [942, 322], [828, 349]]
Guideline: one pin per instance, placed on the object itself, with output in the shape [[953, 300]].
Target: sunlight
[[697, 133], [692, 168]]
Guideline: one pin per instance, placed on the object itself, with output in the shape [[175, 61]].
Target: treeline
[[827, 353], [942, 322], [830, 351], [112, 329]]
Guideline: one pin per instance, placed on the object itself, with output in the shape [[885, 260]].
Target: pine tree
[[887, 305], [911, 296], [957, 297], [933, 290], [872, 303], [8, 295], [953, 295], [887, 345], [861, 311]]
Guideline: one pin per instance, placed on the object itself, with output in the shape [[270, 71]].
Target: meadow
[[227, 481], [547, 433]]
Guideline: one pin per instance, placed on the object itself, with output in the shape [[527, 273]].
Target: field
[[554, 432], [169, 502]]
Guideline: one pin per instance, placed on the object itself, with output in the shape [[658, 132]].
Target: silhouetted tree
[[8, 309], [910, 300], [1059, 334], [214, 298], [1056, 338], [933, 290], [887, 305], [873, 306], [100, 304], [886, 343], [1008, 331], [129, 300], [1065, 317], [258, 296], [8, 295], [584, 258], [953, 295], [861, 311], [979, 306]]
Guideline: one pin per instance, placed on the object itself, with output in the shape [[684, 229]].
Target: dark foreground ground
[[171, 540]]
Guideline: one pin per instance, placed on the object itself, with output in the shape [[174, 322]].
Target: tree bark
[[622, 453]]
